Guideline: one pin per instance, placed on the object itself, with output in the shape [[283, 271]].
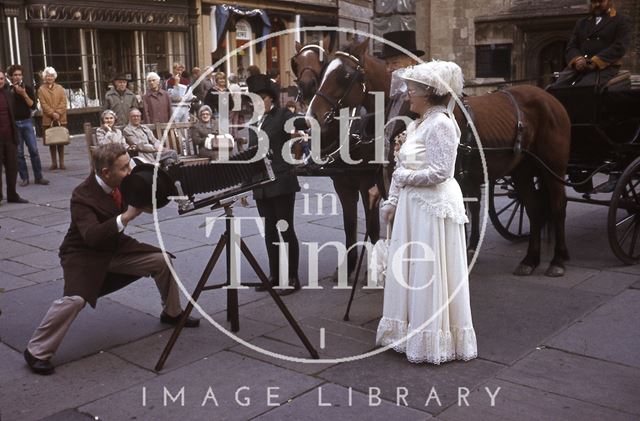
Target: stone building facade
[[499, 40]]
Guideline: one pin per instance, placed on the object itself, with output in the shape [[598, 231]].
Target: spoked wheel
[[506, 211], [624, 216]]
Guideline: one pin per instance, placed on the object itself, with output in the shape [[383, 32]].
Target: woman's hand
[[56, 117], [401, 175], [388, 211]]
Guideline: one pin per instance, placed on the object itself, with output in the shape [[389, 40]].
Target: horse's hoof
[[554, 271], [523, 270]]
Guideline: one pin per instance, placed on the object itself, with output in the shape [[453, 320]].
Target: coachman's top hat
[[405, 39], [136, 188], [262, 83]]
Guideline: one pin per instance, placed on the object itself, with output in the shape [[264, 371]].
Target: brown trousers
[[47, 337]]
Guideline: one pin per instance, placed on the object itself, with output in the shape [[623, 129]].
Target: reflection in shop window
[[67, 51]]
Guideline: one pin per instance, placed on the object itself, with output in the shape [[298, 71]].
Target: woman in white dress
[[427, 314]]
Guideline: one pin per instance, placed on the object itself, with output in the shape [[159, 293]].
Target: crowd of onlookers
[[178, 97]]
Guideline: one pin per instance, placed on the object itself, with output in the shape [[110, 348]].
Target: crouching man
[[97, 258]]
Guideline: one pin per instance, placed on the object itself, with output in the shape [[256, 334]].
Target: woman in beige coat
[[53, 101]]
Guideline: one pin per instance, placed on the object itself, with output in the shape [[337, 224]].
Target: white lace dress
[[427, 313]]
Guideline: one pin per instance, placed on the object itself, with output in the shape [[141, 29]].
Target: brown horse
[[309, 68], [546, 134]]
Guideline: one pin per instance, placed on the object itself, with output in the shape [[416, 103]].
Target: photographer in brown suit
[[97, 258]]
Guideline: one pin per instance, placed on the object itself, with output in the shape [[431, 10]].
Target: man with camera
[[98, 258]]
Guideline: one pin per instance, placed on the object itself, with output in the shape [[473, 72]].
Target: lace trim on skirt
[[440, 208], [430, 346]]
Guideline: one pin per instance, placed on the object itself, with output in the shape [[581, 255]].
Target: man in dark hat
[[597, 46], [276, 200], [121, 100], [398, 105], [97, 258]]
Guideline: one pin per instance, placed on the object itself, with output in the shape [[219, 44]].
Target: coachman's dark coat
[[605, 43], [92, 241]]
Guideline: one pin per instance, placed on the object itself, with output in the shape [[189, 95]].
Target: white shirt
[[108, 190]]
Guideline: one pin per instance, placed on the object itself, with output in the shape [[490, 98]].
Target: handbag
[[56, 135], [379, 258]]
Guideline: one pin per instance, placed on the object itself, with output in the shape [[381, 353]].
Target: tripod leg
[[355, 281], [283, 308], [232, 293], [196, 294]]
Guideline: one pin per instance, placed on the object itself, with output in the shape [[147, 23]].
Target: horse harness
[[467, 145], [321, 53]]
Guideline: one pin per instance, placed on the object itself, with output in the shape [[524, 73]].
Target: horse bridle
[[317, 76], [357, 75]]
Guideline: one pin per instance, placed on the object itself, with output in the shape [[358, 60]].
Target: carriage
[[604, 165]]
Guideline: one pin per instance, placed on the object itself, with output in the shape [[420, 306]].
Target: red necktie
[[117, 197]]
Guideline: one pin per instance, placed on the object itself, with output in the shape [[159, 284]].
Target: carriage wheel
[[506, 211], [624, 216]]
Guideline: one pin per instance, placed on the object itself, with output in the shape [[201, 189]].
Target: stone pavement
[[548, 348]]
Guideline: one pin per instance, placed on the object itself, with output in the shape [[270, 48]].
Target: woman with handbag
[[53, 102], [427, 311], [108, 133]]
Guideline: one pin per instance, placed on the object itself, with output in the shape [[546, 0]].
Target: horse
[[308, 67], [513, 125]]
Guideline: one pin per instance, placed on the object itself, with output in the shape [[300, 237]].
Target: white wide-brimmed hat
[[443, 76]]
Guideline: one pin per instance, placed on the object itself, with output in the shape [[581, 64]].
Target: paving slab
[[55, 217], [607, 333], [296, 350], [608, 282], [9, 282], [328, 344], [72, 385], [68, 415], [331, 401], [519, 403], [47, 275], [110, 324], [586, 379], [39, 259], [512, 317], [225, 374], [12, 364], [46, 241], [16, 268], [192, 344], [390, 370], [17, 250], [30, 210]]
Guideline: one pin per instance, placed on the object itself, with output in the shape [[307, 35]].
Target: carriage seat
[[623, 77]]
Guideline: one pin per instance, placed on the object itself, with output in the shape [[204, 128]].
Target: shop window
[[67, 51], [493, 60]]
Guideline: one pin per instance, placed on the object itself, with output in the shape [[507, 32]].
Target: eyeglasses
[[135, 116]]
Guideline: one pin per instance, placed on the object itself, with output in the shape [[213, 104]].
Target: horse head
[[308, 64], [348, 78]]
